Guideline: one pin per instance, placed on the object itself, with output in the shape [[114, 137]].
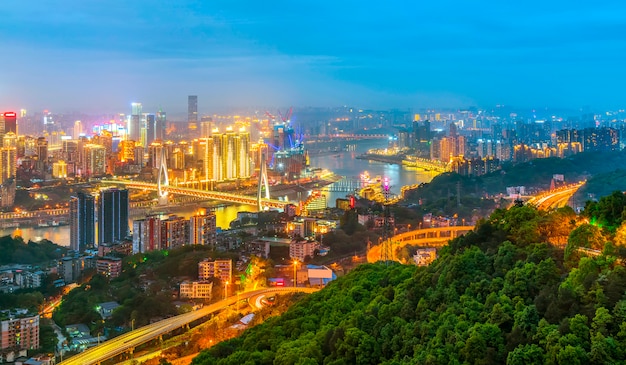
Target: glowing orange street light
[[226, 290], [295, 272]]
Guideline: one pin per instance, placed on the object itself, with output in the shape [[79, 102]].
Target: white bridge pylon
[[162, 177], [263, 183]]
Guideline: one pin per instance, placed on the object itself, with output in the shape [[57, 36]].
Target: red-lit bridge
[[427, 237], [202, 194]]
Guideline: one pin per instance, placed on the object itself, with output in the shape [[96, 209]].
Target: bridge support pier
[[263, 183]]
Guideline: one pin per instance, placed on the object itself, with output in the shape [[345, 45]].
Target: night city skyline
[[73, 56]]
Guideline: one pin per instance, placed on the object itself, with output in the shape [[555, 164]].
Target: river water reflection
[[341, 163]]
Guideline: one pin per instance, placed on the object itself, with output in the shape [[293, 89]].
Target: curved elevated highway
[[130, 340]]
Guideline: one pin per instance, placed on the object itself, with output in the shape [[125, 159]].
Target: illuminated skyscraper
[[78, 129], [112, 215], [243, 154], [205, 153], [8, 157], [151, 127], [143, 128], [41, 149], [94, 161], [216, 158], [206, 127], [229, 154], [160, 125], [134, 123], [82, 222], [192, 110], [226, 155], [48, 121], [126, 150], [154, 154], [9, 122]]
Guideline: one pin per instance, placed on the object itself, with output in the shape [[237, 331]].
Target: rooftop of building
[[16, 313]]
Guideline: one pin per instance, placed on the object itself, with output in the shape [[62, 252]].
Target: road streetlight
[[226, 290], [295, 272]]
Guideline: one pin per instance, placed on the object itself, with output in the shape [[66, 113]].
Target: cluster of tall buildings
[[133, 145], [151, 233], [154, 233], [479, 147], [220, 157], [112, 213]]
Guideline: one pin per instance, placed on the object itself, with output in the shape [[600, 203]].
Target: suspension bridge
[[262, 199]]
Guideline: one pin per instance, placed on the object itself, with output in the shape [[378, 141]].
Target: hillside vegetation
[[502, 294], [15, 250]]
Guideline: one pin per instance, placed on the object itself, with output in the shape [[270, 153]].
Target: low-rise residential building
[[196, 289], [222, 269], [300, 249], [424, 256], [106, 309], [110, 267]]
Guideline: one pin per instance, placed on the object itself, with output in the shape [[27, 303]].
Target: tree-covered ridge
[[500, 294], [14, 250]]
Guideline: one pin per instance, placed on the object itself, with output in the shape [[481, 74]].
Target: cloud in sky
[[101, 55]]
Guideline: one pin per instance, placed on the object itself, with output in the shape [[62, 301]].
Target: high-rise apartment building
[[146, 235], [78, 129], [202, 229], [8, 122], [94, 161], [125, 151], [8, 157], [174, 232], [134, 123], [231, 155], [112, 215], [160, 125], [151, 129], [206, 126], [41, 149], [192, 112], [82, 222]]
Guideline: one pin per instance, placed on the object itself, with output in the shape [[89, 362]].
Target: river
[[346, 164], [341, 163]]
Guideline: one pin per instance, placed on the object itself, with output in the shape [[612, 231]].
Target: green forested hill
[[499, 295], [15, 250]]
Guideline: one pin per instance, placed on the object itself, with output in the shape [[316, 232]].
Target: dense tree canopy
[[15, 250], [500, 294]]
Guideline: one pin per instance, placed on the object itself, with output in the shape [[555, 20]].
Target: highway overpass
[[426, 237], [553, 199], [127, 342]]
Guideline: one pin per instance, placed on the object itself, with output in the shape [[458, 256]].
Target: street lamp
[[226, 289], [295, 272], [132, 324]]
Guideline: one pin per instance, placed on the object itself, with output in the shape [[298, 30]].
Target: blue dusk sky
[[99, 56]]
